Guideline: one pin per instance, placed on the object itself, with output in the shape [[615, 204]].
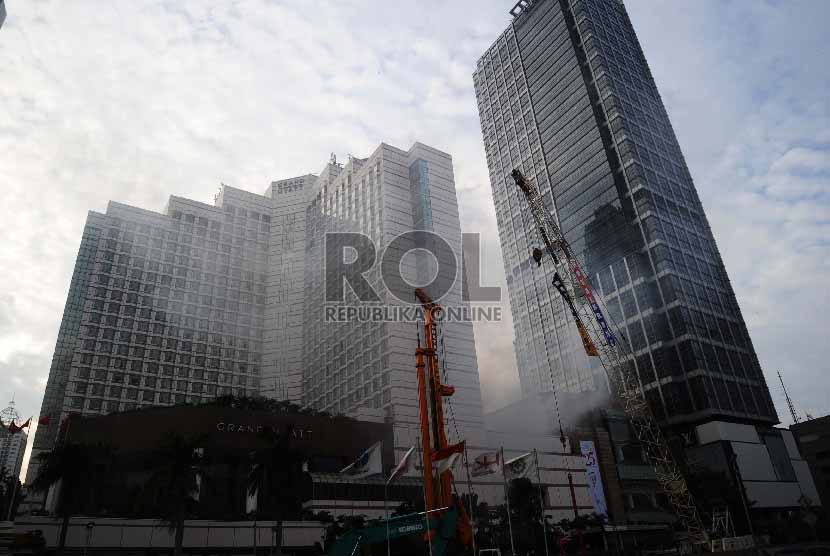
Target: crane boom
[[601, 341]]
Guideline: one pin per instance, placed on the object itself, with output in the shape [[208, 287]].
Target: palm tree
[[277, 478], [71, 468], [176, 480], [5, 490]]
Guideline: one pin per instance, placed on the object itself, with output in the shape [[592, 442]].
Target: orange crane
[[444, 523], [431, 393]]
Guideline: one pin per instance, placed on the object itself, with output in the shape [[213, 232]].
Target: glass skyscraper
[[565, 95]]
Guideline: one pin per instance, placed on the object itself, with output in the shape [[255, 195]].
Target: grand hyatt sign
[[233, 430], [296, 432]]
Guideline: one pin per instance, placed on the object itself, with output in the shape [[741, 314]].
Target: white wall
[[146, 533]]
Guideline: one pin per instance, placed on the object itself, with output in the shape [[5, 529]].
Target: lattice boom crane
[[600, 340]]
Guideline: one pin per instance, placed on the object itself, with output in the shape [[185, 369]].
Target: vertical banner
[[594, 478]]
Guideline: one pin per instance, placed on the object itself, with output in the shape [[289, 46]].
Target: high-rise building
[[12, 447], [565, 95], [206, 300], [347, 364], [12, 444]]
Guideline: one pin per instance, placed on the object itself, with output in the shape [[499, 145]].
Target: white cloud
[[137, 101]]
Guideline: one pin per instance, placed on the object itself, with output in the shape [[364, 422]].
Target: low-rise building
[[813, 439]]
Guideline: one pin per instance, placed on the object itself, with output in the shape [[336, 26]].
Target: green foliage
[[277, 477], [176, 465], [10, 493], [78, 467], [173, 483], [270, 405]]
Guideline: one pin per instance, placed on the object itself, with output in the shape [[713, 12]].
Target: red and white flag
[[14, 428], [446, 457], [403, 466], [486, 464]]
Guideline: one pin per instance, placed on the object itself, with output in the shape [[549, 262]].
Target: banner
[[589, 297], [589, 346], [594, 478]]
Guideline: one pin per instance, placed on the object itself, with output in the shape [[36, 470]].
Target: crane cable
[[552, 387], [445, 377]]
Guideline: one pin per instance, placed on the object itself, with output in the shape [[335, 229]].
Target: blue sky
[[137, 101]]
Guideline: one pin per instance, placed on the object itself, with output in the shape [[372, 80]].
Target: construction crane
[[790, 404], [600, 340], [444, 523]]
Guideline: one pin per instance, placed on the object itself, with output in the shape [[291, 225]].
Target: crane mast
[[431, 394], [790, 404], [600, 340]]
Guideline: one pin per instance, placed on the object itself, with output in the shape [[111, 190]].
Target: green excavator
[[440, 529]]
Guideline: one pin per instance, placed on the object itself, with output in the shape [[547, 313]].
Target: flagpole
[[386, 514], [470, 497], [507, 499], [541, 502]]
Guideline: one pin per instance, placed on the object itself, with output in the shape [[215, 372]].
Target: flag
[[520, 467], [447, 463], [444, 453], [251, 499], [589, 346], [446, 457], [486, 464], [196, 492], [402, 467], [369, 463], [13, 428], [44, 420]]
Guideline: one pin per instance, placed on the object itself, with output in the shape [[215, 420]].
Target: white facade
[[130, 535], [373, 363]]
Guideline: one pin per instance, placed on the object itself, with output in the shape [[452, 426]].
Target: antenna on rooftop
[[789, 400]]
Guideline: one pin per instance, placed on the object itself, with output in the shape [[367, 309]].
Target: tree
[[526, 515], [277, 478], [178, 471], [70, 468], [5, 493]]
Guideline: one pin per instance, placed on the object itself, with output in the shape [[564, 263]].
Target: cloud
[[137, 101]]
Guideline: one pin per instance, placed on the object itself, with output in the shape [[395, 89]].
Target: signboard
[[594, 478]]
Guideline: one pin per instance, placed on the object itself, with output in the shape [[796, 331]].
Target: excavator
[[443, 526]]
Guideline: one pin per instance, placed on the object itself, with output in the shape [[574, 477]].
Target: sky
[[137, 101]]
